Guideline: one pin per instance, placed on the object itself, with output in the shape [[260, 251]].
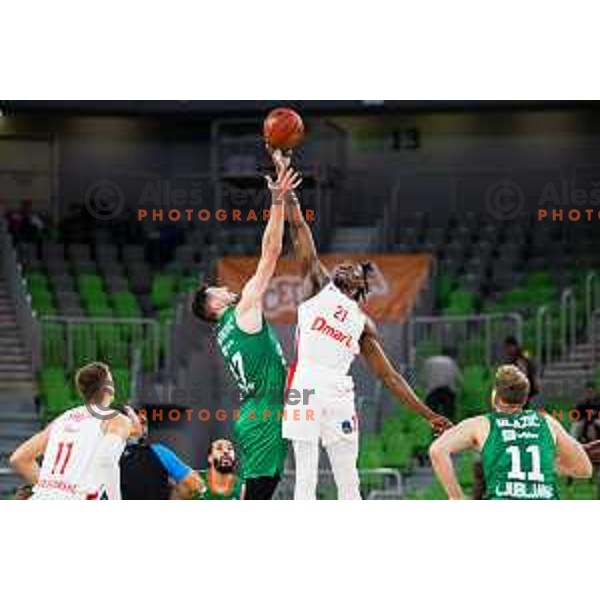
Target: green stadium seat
[[461, 302], [53, 344], [539, 279], [187, 284], [90, 283], [371, 454], [122, 379], [427, 347], [125, 305], [43, 304], [444, 287], [472, 351], [110, 346], [163, 291], [56, 402], [398, 447], [474, 397], [37, 282], [84, 344], [98, 309]]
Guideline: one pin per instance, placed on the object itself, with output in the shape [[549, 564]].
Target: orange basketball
[[283, 128]]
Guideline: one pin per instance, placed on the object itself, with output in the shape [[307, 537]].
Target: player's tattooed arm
[[24, 459], [383, 369], [468, 434], [249, 308], [311, 268]]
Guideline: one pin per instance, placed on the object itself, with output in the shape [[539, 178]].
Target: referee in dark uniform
[[154, 471]]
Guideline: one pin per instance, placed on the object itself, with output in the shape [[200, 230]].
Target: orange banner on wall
[[394, 289]]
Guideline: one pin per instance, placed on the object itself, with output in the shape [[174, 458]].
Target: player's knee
[[348, 486]]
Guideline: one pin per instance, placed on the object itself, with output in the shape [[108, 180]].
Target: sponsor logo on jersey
[[522, 422], [523, 491], [58, 485], [509, 435], [321, 325], [77, 416], [347, 426]]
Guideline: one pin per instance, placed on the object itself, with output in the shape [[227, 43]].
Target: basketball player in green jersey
[[522, 451], [222, 483], [253, 355]]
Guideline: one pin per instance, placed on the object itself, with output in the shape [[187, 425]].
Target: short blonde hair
[[511, 385], [91, 378]]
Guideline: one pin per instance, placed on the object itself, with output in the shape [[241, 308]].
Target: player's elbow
[[584, 468], [14, 460], [388, 378], [578, 466], [436, 451], [588, 471], [18, 461]]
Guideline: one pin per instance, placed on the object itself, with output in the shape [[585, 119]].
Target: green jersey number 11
[[516, 472]]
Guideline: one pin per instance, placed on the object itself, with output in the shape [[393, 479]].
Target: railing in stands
[[375, 484], [594, 335], [543, 323], [568, 322], [139, 345], [7, 475], [567, 325], [592, 298], [477, 333], [129, 334], [11, 271]]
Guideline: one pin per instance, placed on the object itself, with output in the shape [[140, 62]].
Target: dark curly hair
[[353, 279], [199, 304]]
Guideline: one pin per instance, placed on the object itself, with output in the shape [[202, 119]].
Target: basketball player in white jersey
[[81, 448], [332, 329]]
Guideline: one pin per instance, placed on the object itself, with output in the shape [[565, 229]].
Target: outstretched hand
[[439, 424], [136, 424], [281, 158], [287, 180]]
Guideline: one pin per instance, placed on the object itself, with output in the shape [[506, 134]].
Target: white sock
[[306, 455], [343, 456]]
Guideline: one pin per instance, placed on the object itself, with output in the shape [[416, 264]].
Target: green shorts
[[257, 434]]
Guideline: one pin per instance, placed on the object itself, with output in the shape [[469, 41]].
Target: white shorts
[[326, 410]]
